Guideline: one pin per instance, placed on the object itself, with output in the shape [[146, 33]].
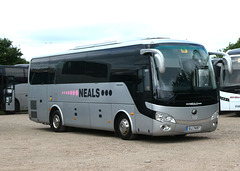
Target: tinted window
[[17, 73], [39, 71], [82, 72]]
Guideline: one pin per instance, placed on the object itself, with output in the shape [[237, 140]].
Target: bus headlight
[[215, 115], [8, 99], [162, 117]]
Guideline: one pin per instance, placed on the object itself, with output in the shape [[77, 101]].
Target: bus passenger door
[[143, 94], [9, 94]]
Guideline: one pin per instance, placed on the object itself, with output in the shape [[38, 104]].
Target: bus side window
[[140, 85], [146, 80], [143, 80], [82, 72]]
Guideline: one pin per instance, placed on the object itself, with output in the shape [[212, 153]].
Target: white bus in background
[[229, 84], [13, 87], [152, 86]]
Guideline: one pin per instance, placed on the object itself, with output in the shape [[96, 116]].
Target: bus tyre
[[238, 114], [124, 129], [56, 122]]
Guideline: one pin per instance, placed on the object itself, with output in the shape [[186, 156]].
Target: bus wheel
[[56, 122], [238, 114], [124, 129]]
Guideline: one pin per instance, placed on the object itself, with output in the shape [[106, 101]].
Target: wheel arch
[[123, 112], [17, 102], [53, 109]]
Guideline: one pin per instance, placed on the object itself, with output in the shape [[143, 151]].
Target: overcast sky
[[40, 27]]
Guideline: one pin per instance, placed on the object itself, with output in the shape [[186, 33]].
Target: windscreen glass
[[188, 78], [231, 82]]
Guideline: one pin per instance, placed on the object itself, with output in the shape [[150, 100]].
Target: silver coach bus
[[13, 87], [153, 86]]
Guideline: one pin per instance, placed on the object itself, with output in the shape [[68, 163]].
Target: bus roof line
[[112, 42], [96, 45], [116, 44]]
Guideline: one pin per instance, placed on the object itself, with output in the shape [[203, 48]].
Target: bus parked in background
[[152, 86], [13, 87], [229, 84]]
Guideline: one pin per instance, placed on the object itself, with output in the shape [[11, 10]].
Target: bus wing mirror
[[226, 57], [158, 56]]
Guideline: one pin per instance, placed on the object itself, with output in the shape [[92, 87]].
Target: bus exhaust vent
[[33, 104]]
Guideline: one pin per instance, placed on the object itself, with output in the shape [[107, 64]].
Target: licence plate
[[193, 128]]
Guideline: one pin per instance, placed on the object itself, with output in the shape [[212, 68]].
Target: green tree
[[10, 55], [232, 46]]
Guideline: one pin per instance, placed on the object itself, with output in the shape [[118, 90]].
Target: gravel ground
[[26, 145]]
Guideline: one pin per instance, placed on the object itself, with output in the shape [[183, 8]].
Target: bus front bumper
[[184, 127]]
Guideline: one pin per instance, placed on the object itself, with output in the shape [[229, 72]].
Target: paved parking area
[[26, 145]]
